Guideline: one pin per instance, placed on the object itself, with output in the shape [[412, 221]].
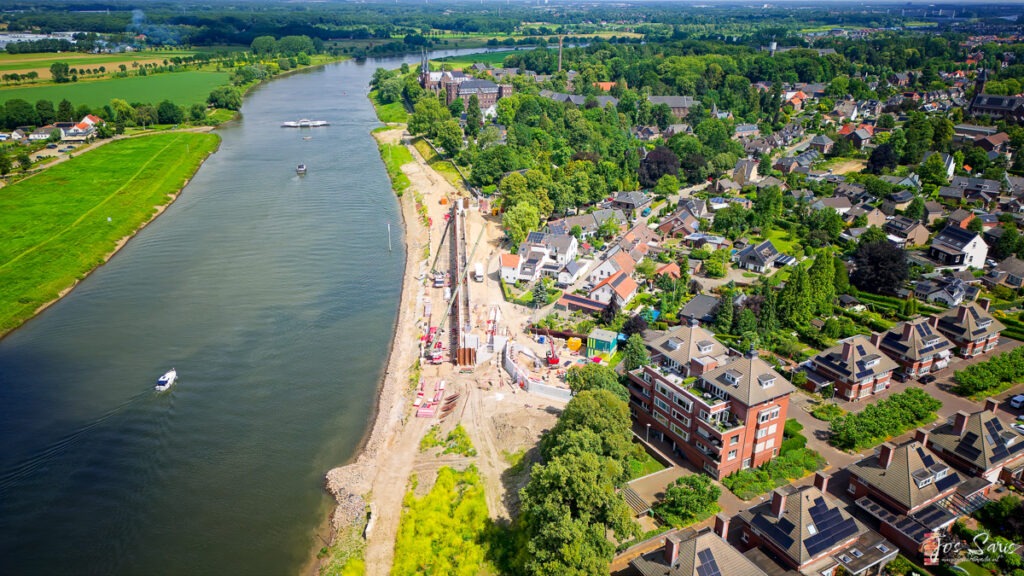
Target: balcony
[[721, 422]]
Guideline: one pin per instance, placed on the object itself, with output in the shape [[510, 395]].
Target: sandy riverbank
[[352, 483]]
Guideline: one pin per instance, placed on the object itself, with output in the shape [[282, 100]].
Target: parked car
[[1017, 401], [899, 376], [1018, 427], [926, 379], [51, 146], [646, 211]]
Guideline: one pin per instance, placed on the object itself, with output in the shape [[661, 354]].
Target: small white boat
[[167, 380], [306, 123], [307, 137], [300, 169]]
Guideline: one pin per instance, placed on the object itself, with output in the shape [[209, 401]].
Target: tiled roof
[[968, 322], [854, 359], [915, 340], [747, 378], [681, 344], [704, 554], [912, 476], [984, 442]]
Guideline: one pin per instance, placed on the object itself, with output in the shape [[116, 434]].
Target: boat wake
[[26, 468]]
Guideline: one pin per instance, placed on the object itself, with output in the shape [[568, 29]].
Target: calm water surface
[[273, 295]]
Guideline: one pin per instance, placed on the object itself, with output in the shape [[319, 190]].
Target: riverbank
[[61, 224], [353, 485]]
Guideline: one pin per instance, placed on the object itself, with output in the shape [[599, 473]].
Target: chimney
[[908, 330], [875, 339], [722, 526], [672, 549], [921, 435], [694, 322], [960, 423], [821, 481], [847, 350], [885, 455], [752, 353], [961, 313], [991, 405], [984, 303], [778, 503], [933, 321]]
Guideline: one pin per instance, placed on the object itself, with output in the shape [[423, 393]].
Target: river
[[274, 295]]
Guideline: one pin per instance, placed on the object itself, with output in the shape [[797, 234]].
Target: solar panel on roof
[[860, 349], [925, 457], [832, 527], [781, 538], [708, 565], [948, 481], [966, 446]]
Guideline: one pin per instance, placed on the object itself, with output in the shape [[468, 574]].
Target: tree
[[599, 411], [608, 229], [227, 97], [18, 112], [933, 171], [24, 161], [474, 117], [667, 185], [724, 315], [519, 221], [449, 137], [841, 278], [746, 322], [59, 72], [1007, 244], [65, 111], [457, 107], [427, 113], [5, 164], [975, 225], [916, 210], [882, 158], [688, 499], [45, 112], [123, 112], [390, 90], [879, 266], [659, 162], [636, 324], [147, 115], [796, 306], [872, 234], [197, 112], [264, 45], [634, 355], [592, 376], [168, 112]]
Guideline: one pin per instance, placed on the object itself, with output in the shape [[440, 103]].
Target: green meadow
[[182, 88], [59, 225]]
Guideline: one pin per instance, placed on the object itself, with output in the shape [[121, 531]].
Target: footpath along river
[[274, 295]]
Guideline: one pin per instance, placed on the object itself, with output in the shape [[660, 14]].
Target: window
[[684, 404], [769, 443], [880, 386], [844, 558], [660, 417], [768, 415], [746, 463], [710, 470], [732, 454], [775, 452], [744, 537], [704, 415], [676, 430], [941, 473], [762, 433], [734, 440], [851, 488], [647, 377], [646, 392], [661, 404], [662, 390], [882, 548], [759, 447], [856, 553], [811, 529]]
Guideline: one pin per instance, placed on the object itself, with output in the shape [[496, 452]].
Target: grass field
[[54, 227], [492, 58], [393, 112], [41, 62], [182, 88], [443, 167], [395, 156]]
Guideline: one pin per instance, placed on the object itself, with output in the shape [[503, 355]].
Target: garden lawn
[[393, 112], [639, 468], [782, 240], [495, 59], [395, 156], [54, 227], [182, 88]]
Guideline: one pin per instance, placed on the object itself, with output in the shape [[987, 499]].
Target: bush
[[990, 377], [457, 441], [827, 412], [883, 420]]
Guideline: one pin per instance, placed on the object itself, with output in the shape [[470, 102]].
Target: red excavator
[[553, 360]]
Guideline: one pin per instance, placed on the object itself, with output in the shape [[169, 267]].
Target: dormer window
[[922, 478], [811, 529], [704, 347], [673, 343], [984, 322], [732, 377], [871, 360], [766, 380]]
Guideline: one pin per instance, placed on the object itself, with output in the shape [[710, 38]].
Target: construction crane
[[431, 346]]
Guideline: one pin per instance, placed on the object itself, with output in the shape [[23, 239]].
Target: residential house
[[958, 248], [872, 216], [80, 132], [602, 342], [679, 224], [1009, 108], [960, 218], [999, 143], [971, 132], [710, 241], [916, 347], [970, 328], [855, 192], [42, 133], [510, 268], [726, 186], [809, 532], [699, 208], [822, 144], [647, 133], [855, 367], [731, 418], [745, 172], [792, 163], [862, 136], [975, 189], [948, 290], [1009, 272], [897, 202], [840, 204], [947, 162], [618, 261], [933, 211], [844, 110], [758, 258], [588, 223], [631, 203], [680, 105], [910, 181], [702, 553], [903, 231], [671, 270], [802, 195], [619, 287], [746, 131], [900, 79], [908, 489], [571, 272], [687, 349], [674, 129], [979, 444], [770, 181], [701, 308]]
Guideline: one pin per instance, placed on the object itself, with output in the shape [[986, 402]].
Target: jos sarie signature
[[945, 548]]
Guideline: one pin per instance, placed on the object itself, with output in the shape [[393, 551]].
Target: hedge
[[882, 420], [991, 377]]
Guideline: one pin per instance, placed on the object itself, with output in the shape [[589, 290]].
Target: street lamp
[[648, 432]]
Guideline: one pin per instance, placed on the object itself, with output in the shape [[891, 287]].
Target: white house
[[41, 134], [510, 268], [619, 261], [572, 272], [619, 286], [958, 249], [559, 248]]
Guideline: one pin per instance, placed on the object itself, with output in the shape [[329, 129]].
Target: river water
[[273, 295]]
